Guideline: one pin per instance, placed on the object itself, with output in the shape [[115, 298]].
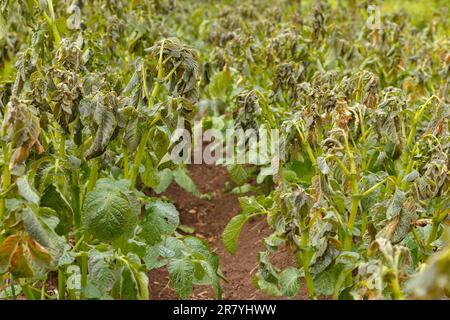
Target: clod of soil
[[209, 219]]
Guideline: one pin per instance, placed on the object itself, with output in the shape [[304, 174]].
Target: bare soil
[[209, 218]]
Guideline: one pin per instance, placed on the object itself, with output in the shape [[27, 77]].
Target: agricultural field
[[251, 149]]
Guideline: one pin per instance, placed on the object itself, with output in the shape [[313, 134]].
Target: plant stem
[[27, 291], [43, 288], [355, 198], [138, 158], [395, 287], [125, 162], [306, 259], [61, 284], [307, 146], [6, 179], [93, 176], [11, 283], [84, 272]]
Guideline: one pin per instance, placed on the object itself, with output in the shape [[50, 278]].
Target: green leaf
[[127, 286], [165, 179], [26, 191], [52, 198], [289, 281], [162, 218], [108, 212], [183, 180], [232, 231], [181, 273], [238, 174], [220, 85], [152, 258]]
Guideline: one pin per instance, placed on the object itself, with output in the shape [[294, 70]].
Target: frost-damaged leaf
[[182, 178], [181, 273], [7, 249], [433, 281], [323, 166], [108, 212], [162, 219], [268, 288], [400, 225], [21, 128], [39, 254], [20, 266], [106, 122], [41, 229], [26, 191], [324, 283], [232, 231], [396, 203], [289, 281]]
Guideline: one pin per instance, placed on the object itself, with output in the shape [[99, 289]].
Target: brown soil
[[209, 219]]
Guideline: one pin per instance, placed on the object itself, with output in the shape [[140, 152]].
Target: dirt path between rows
[[209, 218]]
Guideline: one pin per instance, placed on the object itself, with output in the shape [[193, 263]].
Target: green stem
[[351, 223], [125, 163], [138, 158], [395, 288], [61, 284], [307, 146], [84, 273], [11, 283], [61, 156], [44, 281], [306, 259], [27, 291], [355, 198], [6, 178], [308, 278], [93, 176], [76, 205]]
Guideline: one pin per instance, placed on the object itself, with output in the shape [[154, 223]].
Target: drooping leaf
[[7, 249], [26, 191], [104, 119], [232, 231]]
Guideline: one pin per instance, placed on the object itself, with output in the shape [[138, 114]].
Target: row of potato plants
[[87, 117]]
